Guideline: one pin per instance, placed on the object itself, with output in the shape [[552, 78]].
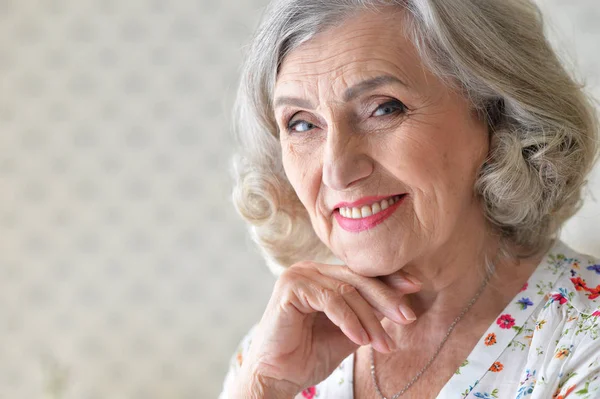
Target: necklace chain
[[437, 351]]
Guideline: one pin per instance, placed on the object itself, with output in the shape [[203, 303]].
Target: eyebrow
[[349, 94]]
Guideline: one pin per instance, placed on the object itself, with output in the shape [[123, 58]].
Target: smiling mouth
[[364, 211]]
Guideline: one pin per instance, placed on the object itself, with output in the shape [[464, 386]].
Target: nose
[[345, 161]]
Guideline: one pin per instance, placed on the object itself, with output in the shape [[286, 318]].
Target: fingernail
[[407, 312], [390, 343], [414, 280]]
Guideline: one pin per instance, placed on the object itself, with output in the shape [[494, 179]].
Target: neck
[[454, 274]]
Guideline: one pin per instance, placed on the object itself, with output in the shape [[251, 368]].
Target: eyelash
[[396, 103]]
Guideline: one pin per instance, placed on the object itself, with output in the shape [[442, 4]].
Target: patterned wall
[[124, 270]]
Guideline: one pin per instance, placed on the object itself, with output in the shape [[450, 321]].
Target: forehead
[[362, 46]]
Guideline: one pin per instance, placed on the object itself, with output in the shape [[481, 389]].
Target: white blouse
[[543, 345]]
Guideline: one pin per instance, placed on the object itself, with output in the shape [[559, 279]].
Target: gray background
[[124, 270]]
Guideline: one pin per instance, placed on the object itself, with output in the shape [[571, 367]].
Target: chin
[[368, 264]]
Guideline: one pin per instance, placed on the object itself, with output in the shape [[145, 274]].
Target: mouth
[[368, 209], [367, 216]]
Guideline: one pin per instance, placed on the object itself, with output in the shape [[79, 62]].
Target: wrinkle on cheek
[[287, 160], [421, 212]]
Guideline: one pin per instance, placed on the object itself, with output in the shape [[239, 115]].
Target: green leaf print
[[462, 365], [539, 350], [517, 329], [518, 344], [584, 390], [543, 288]]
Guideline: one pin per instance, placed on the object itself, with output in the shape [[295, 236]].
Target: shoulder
[[567, 333], [579, 283]]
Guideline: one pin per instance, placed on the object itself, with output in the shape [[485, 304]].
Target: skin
[[345, 151], [417, 137], [430, 146]]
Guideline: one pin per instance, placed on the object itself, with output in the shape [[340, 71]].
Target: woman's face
[[361, 119]]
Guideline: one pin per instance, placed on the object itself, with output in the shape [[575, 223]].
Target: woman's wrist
[[260, 387]]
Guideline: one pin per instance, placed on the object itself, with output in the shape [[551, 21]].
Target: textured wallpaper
[[124, 270]]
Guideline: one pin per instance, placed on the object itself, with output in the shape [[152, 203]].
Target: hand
[[319, 314]]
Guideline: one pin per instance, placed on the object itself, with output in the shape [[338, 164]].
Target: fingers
[[342, 303], [379, 338], [384, 297], [347, 309], [342, 315], [308, 295], [354, 303]]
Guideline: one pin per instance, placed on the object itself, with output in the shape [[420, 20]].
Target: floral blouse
[[545, 343]]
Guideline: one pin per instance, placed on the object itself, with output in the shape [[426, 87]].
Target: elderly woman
[[406, 166]]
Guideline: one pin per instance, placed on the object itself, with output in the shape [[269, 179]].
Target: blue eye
[[390, 107], [292, 125]]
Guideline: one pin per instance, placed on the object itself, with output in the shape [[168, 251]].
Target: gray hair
[[542, 125]]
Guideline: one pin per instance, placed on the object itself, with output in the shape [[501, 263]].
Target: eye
[[389, 108], [306, 126]]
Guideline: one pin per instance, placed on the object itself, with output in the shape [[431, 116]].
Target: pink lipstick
[[364, 223]]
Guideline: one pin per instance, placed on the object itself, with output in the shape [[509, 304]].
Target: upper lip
[[364, 201]]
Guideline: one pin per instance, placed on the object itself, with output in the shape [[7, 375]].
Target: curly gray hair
[[543, 126]]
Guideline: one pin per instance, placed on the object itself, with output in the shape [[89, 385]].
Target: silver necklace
[[437, 351]]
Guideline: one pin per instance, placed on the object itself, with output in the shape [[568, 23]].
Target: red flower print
[[496, 367], [505, 321], [593, 292], [309, 393], [490, 339], [524, 287], [559, 297], [596, 313], [579, 283]]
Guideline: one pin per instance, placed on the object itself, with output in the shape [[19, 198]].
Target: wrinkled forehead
[[363, 46]]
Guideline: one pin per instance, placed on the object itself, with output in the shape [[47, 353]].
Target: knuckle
[[341, 309], [325, 294], [284, 278], [345, 289], [288, 278], [303, 264], [347, 318]]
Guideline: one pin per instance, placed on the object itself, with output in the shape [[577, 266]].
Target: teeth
[[368, 210], [375, 208]]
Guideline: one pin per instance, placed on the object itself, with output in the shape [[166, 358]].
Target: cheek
[[431, 166], [432, 154], [292, 163], [414, 158], [302, 173]]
